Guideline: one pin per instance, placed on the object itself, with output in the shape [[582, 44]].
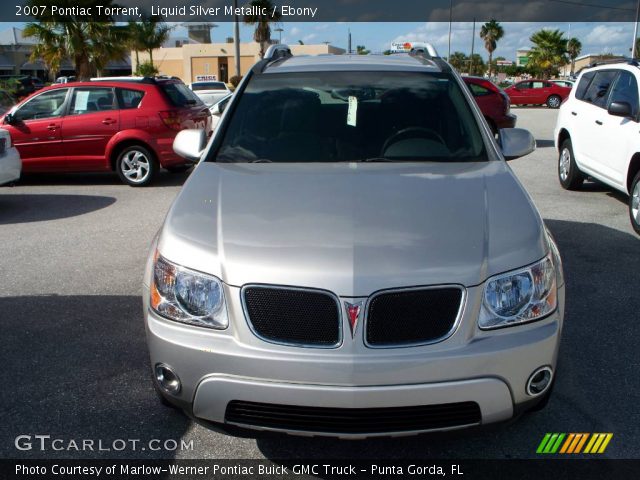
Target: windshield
[[352, 116]]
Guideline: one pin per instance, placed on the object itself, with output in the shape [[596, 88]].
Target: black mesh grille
[[353, 420], [409, 317], [291, 316]]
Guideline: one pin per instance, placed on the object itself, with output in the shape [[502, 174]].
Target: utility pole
[[236, 37], [349, 42], [450, 19], [473, 44], [635, 32]]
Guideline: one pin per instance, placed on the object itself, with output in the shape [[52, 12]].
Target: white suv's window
[[626, 90], [599, 88]]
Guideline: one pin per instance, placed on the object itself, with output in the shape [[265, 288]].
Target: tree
[[637, 48], [459, 61], [262, 33], [548, 52], [147, 35], [491, 32], [574, 47], [90, 45], [362, 50], [476, 65]]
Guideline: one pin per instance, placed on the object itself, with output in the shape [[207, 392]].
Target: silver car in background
[[353, 257]]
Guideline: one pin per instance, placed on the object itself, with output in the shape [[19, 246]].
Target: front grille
[[352, 420], [409, 317], [293, 316]]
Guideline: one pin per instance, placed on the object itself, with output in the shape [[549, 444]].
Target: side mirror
[[516, 142], [10, 119], [620, 109], [190, 144]]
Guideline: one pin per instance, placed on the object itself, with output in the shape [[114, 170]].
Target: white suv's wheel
[[569, 174], [634, 203], [136, 166]]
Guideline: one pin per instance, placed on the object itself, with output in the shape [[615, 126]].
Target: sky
[[595, 37]]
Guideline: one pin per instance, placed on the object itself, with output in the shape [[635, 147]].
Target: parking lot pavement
[[72, 250]]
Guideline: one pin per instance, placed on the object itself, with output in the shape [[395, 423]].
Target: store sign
[[206, 78], [400, 47]]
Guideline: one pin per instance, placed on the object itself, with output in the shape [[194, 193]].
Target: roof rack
[[426, 49], [610, 61], [274, 53], [134, 79], [279, 50]]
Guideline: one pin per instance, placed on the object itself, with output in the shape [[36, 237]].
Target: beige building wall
[[190, 60]]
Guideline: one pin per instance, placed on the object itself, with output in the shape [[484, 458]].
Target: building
[[522, 57], [15, 59], [190, 60], [586, 60]]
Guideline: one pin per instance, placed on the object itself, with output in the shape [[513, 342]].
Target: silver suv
[[353, 257]]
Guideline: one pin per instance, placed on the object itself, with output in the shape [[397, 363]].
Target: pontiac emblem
[[353, 314]]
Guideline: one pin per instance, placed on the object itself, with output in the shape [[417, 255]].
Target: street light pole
[[450, 19], [236, 37], [635, 32]]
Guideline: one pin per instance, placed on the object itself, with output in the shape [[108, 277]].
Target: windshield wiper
[[378, 159]]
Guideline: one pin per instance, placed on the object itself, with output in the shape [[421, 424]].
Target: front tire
[[136, 166], [634, 203], [554, 101], [569, 174]]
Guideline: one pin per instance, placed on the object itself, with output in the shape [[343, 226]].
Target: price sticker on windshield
[[353, 111]]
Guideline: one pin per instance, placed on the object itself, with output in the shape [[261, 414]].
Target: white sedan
[[210, 92], [10, 163]]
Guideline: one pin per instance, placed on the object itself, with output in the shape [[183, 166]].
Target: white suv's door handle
[[598, 122], [574, 114]]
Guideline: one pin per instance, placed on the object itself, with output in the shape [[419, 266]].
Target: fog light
[[167, 379], [539, 381]]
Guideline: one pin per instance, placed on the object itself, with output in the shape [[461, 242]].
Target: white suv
[[597, 133]]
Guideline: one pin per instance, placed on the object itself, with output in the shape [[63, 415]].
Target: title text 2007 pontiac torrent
[[353, 257]]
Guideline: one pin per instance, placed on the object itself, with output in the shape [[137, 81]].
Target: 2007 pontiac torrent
[[353, 257]]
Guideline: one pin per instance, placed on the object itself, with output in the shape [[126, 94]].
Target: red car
[[493, 102], [127, 125], [537, 92]]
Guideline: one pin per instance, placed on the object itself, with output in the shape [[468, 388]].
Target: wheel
[[136, 166], [569, 174], [178, 168], [554, 101], [634, 203]]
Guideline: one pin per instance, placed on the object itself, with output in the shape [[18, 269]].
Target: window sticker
[[82, 99], [353, 111]]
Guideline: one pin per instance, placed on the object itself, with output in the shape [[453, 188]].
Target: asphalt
[[75, 364]]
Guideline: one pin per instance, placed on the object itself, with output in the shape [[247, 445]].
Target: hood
[[353, 228]]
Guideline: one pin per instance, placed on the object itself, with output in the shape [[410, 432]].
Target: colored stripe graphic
[[573, 443]]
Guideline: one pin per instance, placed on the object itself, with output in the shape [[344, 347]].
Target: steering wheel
[[412, 132]]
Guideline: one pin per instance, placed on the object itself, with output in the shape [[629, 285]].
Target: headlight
[[183, 295], [521, 296]]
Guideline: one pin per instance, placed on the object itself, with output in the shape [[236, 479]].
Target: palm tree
[[262, 33], [148, 34], [90, 45], [458, 60], [637, 52], [491, 32], [574, 47], [548, 52]]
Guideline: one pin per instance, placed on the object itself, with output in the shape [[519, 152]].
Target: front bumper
[[490, 368]]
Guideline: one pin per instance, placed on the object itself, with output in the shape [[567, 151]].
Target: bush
[[235, 80], [146, 69]]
